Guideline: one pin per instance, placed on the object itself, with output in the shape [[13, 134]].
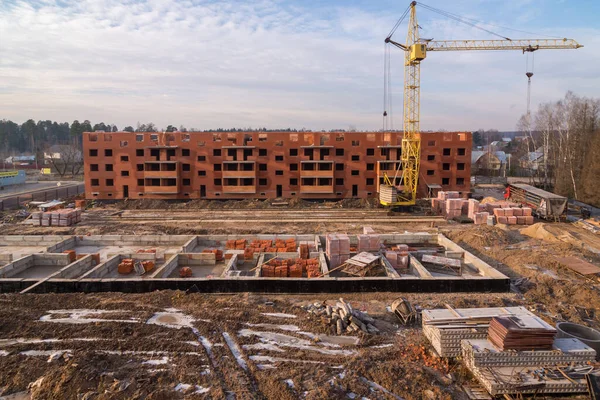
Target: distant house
[[534, 160], [60, 151], [488, 161], [506, 139], [19, 160]]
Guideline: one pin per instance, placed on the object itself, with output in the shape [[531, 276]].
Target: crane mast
[[415, 51]]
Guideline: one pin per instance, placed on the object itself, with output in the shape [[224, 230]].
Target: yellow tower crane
[[416, 50]]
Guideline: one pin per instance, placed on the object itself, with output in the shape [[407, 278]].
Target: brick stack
[[480, 218], [72, 255], [473, 207], [292, 268], [454, 208], [63, 217], [148, 265], [514, 215], [185, 272], [337, 248], [398, 257], [368, 243], [126, 266], [218, 253]]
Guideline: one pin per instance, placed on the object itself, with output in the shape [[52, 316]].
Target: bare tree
[[65, 159]]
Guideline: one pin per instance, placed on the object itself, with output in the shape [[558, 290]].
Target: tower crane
[[415, 51]]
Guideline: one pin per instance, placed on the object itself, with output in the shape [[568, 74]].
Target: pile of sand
[[489, 199]]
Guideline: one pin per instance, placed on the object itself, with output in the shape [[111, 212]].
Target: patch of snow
[[351, 395], [289, 328], [160, 361], [235, 350], [182, 387], [263, 346], [265, 366], [4, 353], [388, 309], [79, 316], [192, 343], [382, 346], [282, 340], [51, 354], [279, 315], [201, 389], [10, 342], [290, 383], [171, 319], [277, 359]]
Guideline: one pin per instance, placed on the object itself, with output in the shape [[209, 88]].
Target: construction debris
[[361, 264], [404, 311], [343, 317]]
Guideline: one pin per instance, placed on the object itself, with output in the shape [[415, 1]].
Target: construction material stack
[[337, 248], [290, 268], [398, 257], [61, 217], [521, 333]]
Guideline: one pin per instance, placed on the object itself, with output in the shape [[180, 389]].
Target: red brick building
[[237, 165]]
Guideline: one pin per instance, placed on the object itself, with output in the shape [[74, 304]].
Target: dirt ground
[[258, 346]]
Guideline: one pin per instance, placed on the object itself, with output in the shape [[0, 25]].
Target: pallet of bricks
[[449, 204], [62, 217], [337, 249], [398, 257], [502, 212], [291, 268]]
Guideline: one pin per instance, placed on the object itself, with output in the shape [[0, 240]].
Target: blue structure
[[9, 178]]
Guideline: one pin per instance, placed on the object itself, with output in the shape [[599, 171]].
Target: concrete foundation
[[51, 271]]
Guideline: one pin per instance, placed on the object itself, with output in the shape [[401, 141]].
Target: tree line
[[568, 134]]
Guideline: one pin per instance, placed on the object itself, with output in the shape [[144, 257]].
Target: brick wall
[[236, 165]]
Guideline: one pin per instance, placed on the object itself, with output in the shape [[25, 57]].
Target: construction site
[[301, 265]]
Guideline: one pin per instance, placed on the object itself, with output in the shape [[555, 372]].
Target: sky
[[277, 64]]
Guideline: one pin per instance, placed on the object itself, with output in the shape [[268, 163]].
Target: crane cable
[[465, 19], [460, 19]]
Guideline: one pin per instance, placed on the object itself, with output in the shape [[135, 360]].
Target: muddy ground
[[105, 346]]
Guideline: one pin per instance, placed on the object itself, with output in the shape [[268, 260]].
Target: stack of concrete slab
[[337, 248], [483, 353], [560, 370], [445, 328]]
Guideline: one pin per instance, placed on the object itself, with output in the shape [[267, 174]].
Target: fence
[[488, 180], [56, 193]]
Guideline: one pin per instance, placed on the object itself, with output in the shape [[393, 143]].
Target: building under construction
[[239, 165]]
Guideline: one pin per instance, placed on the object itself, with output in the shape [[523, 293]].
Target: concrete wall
[[22, 264], [132, 240], [270, 285], [484, 268], [31, 240], [203, 159]]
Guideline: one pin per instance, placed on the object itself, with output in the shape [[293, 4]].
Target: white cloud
[[248, 64]]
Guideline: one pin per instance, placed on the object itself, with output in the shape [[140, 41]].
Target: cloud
[[269, 63]]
